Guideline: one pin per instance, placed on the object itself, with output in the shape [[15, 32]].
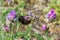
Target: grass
[[27, 34]]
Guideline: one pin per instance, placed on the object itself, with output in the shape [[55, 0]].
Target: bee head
[[24, 20]]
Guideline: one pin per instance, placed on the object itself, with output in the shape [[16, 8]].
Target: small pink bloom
[[44, 27], [6, 28]]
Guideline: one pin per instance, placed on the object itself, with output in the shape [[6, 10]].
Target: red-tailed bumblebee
[[25, 20]]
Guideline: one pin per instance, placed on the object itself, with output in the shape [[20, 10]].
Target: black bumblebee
[[25, 20]]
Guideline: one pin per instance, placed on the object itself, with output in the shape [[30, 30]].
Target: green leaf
[[29, 28], [38, 36], [6, 12], [22, 4], [53, 1], [58, 2], [27, 36]]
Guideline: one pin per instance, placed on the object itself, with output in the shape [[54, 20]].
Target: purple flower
[[6, 28], [51, 14], [12, 15], [44, 27]]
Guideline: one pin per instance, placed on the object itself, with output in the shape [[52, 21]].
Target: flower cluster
[[51, 15], [12, 15]]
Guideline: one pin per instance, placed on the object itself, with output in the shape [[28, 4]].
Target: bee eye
[[23, 20]]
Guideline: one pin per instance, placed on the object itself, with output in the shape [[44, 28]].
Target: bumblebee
[[25, 20]]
